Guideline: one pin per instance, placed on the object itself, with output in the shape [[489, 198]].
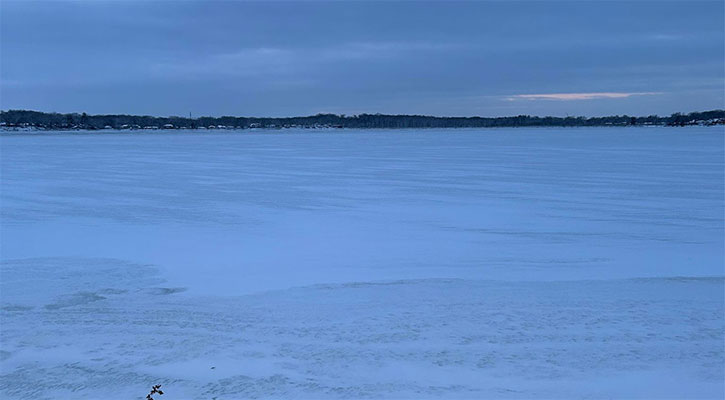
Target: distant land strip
[[36, 120]]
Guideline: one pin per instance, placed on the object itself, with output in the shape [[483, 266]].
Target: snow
[[500, 263]]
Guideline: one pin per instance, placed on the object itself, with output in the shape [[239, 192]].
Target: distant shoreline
[[36, 120]]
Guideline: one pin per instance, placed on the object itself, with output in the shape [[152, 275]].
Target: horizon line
[[344, 115]]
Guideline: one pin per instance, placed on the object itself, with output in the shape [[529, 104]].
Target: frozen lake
[[504, 263]]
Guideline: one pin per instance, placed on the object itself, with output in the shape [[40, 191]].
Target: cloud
[[666, 36], [578, 96], [278, 61], [387, 48]]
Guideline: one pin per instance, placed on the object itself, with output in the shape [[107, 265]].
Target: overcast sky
[[282, 59]]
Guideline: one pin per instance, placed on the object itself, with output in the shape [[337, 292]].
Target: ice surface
[[511, 263]]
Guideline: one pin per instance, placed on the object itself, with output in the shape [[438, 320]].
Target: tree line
[[43, 120]]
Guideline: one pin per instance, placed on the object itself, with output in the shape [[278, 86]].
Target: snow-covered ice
[[502, 263]]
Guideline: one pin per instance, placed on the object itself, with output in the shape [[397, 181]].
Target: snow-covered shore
[[108, 334]]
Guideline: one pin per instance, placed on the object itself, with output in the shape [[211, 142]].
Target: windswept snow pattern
[[512, 263]]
